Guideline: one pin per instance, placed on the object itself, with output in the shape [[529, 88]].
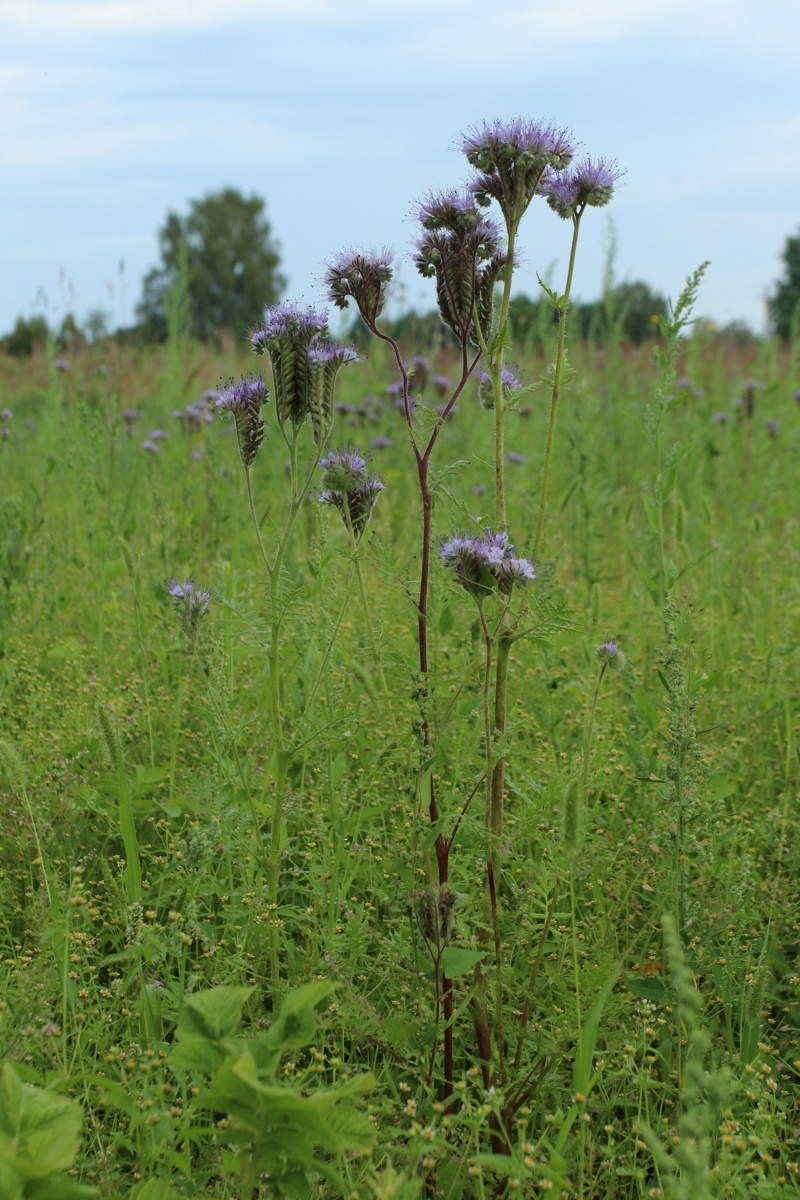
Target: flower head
[[244, 399], [285, 335], [191, 605], [610, 655], [511, 158], [349, 488], [590, 183], [326, 360], [363, 276], [482, 563], [461, 249], [510, 383]]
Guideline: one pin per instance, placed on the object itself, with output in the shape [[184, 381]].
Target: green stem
[[256, 526], [328, 649], [556, 391], [587, 750]]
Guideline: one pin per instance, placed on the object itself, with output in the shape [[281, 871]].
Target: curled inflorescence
[[191, 605], [510, 382], [362, 276], [481, 564], [589, 183], [511, 158], [244, 399], [349, 487]]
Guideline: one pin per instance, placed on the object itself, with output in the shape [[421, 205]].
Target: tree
[[784, 304], [25, 337], [231, 265]]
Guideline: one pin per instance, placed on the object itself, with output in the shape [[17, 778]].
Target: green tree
[[232, 266], [25, 337], [784, 304]]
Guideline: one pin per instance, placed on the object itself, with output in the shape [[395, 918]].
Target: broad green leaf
[[215, 1013], [456, 961]]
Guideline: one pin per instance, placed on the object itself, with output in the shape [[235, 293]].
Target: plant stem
[[256, 525]]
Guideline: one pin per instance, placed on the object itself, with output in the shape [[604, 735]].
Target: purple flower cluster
[[191, 605], [304, 364], [482, 563], [244, 399], [461, 249], [511, 158], [589, 183], [510, 383], [363, 276], [610, 655], [349, 488]]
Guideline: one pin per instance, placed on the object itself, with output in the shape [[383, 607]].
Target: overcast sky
[[341, 113]]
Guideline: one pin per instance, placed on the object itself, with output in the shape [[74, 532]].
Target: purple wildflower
[[326, 360], [510, 383], [151, 447], [721, 418], [419, 371], [244, 400], [590, 182], [481, 563], [5, 433], [6, 414], [513, 457], [191, 605], [797, 397], [61, 364], [511, 158], [610, 655], [285, 335], [773, 428], [158, 435], [441, 385], [461, 249], [363, 276], [349, 489], [381, 443]]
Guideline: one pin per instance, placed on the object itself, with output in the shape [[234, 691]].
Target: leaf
[[582, 1071], [43, 1129], [446, 621], [402, 1035], [196, 1053], [456, 961], [215, 1013]]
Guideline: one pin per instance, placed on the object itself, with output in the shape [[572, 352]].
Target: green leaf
[[39, 1130], [215, 1013], [456, 961], [195, 1053], [446, 621], [402, 1035], [582, 1071]]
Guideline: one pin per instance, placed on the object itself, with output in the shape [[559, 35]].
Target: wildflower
[[511, 158], [285, 335], [349, 489], [244, 400], [442, 384], [381, 443], [61, 364], [590, 183], [5, 433], [151, 447], [610, 655], [191, 605], [363, 276], [419, 370], [460, 248], [6, 414], [510, 384], [515, 458], [721, 418], [481, 563], [326, 360], [773, 428]]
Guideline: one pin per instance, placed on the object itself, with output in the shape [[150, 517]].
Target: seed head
[[363, 276], [244, 399]]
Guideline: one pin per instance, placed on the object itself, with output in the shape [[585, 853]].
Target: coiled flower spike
[[244, 400], [349, 488]]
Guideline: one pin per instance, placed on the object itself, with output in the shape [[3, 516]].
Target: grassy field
[[228, 964]]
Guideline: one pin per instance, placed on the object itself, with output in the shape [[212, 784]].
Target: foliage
[[784, 303], [232, 266], [25, 337]]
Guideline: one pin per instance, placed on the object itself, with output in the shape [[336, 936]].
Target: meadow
[[249, 955]]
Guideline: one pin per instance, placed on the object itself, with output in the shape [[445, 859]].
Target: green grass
[[691, 808]]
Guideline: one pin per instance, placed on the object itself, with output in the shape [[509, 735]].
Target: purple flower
[[286, 335], [511, 158], [515, 458], [481, 563], [381, 443], [158, 435], [326, 360], [191, 605], [419, 371], [773, 428], [151, 447], [610, 655], [460, 248], [721, 418], [61, 364], [6, 414], [363, 276], [441, 385], [797, 397], [244, 399], [349, 489], [591, 182], [510, 384], [5, 433]]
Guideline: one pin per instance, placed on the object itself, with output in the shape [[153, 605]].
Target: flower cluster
[[362, 275], [244, 400], [589, 183], [510, 382], [609, 655], [482, 563], [349, 488], [511, 158], [460, 248], [325, 359], [191, 605]]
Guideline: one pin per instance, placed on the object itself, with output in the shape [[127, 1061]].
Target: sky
[[342, 113]]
